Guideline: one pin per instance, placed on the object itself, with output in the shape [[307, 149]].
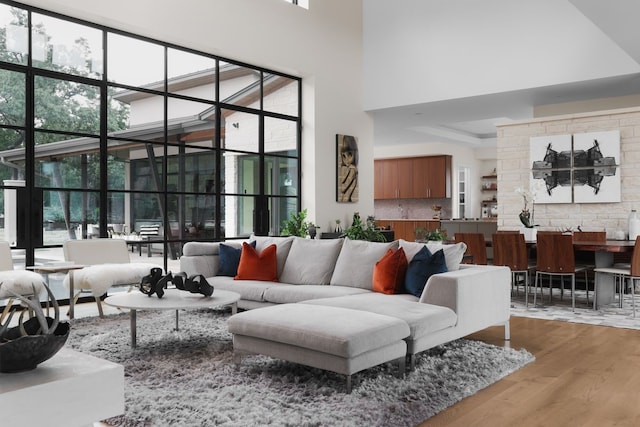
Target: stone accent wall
[[514, 169]]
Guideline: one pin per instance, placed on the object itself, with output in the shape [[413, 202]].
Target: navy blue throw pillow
[[229, 259], [422, 266]]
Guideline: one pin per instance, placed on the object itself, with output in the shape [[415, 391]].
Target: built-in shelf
[[490, 206]]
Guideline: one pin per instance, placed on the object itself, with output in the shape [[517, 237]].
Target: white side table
[[68, 268], [70, 389]]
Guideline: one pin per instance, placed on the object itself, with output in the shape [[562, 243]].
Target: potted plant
[[424, 235], [526, 216], [364, 231], [297, 225]]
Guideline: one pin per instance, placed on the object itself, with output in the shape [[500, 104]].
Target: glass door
[[463, 182]]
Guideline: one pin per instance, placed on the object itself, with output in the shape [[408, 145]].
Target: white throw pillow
[[355, 263], [283, 245], [453, 253], [311, 261]]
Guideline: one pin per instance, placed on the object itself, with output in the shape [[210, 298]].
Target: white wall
[[435, 50], [323, 45]]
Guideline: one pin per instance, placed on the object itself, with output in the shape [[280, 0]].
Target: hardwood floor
[[583, 376]]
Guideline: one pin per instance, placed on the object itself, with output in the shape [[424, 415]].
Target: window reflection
[[66, 46], [80, 102], [241, 131], [12, 98], [135, 62], [183, 64], [14, 23]]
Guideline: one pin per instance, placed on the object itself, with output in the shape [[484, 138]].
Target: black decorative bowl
[[23, 353]]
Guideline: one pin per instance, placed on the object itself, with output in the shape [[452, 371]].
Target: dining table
[[604, 284], [604, 251]]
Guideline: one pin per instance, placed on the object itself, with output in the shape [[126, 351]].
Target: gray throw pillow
[[311, 261], [354, 267]]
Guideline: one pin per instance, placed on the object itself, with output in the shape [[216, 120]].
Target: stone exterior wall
[[514, 169]]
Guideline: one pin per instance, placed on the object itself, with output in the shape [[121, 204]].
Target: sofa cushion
[[354, 266], [311, 261], [250, 290], [389, 272], [423, 265], [229, 254], [332, 330], [453, 253], [256, 265], [423, 319], [283, 245], [292, 293]]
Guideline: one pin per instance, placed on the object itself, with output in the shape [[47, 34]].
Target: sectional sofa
[[337, 275]]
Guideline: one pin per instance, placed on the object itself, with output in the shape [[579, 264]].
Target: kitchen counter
[[487, 226], [409, 219], [494, 219], [406, 228]]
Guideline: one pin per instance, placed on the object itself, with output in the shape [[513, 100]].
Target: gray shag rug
[[188, 378]]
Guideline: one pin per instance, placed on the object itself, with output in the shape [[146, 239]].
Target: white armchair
[[21, 282], [106, 264]]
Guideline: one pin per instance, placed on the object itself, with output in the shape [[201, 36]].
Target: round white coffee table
[[173, 299]]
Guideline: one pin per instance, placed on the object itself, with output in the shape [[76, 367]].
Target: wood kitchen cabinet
[[432, 177], [393, 179], [413, 178]]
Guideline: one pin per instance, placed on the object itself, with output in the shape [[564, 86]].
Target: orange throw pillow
[[389, 272], [258, 266]]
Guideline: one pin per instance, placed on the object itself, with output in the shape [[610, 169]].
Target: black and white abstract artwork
[[551, 168], [579, 168], [596, 159]]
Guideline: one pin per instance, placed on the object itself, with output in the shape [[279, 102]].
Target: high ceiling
[[471, 120]]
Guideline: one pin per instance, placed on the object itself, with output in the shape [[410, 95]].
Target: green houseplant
[[297, 225], [424, 235], [364, 231]]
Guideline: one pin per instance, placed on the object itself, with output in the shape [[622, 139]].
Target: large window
[[102, 132]]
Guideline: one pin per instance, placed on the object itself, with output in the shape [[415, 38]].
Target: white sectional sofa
[[338, 273]]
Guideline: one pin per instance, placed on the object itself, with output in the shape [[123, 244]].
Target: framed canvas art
[[579, 168], [347, 169], [596, 161], [551, 168]]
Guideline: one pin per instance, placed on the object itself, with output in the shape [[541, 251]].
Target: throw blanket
[[100, 277], [20, 281]]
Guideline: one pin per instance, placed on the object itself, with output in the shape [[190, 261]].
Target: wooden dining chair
[[555, 258], [621, 274], [510, 250], [587, 259], [476, 247]]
